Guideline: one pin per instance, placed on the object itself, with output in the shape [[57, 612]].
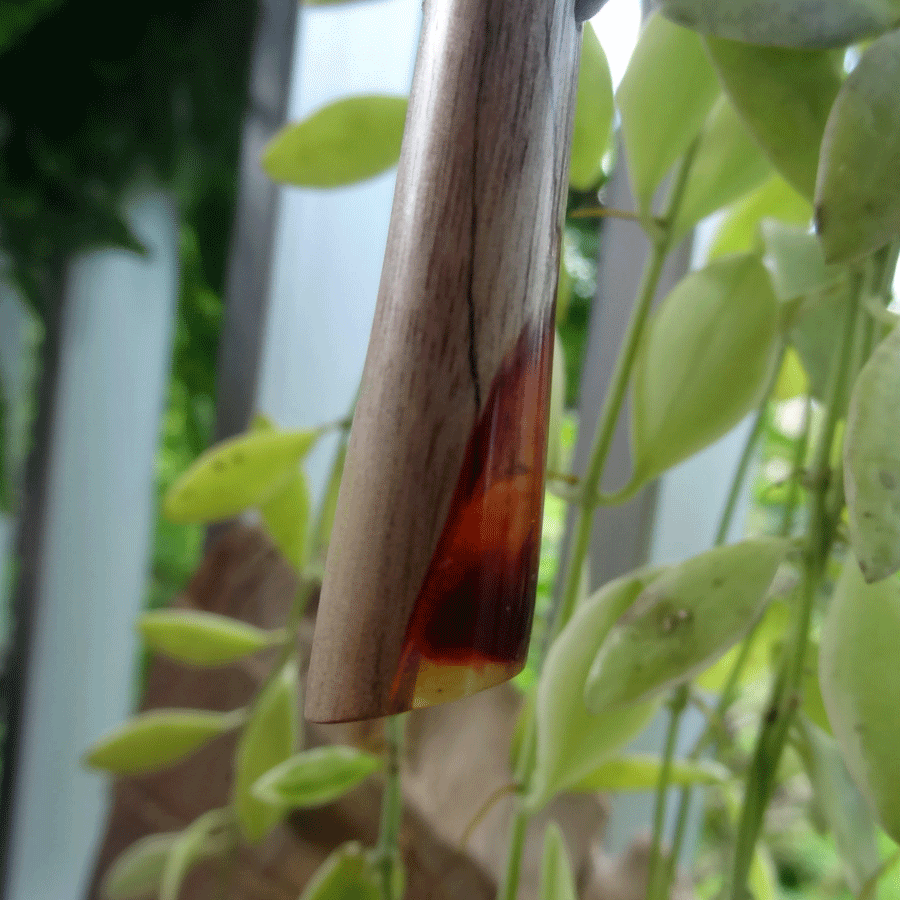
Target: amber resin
[[471, 622]]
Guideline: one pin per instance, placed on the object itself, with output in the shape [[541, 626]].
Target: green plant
[[754, 116]]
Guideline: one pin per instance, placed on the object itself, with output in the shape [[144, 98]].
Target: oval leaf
[[728, 164], [347, 874], [704, 364], [795, 260], [593, 114], [137, 871], [187, 850], [347, 141], [267, 740], [858, 186], [682, 621], [557, 882], [557, 407], [872, 462], [286, 517], [786, 23], [156, 739], [664, 98], [201, 638], [571, 741], [237, 474], [641, 773], [315, 777], [784, 97], [862, 692]]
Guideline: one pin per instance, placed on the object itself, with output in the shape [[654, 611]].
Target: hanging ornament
[[431, 575]]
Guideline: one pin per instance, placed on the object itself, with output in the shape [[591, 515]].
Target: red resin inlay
[[477, 601]]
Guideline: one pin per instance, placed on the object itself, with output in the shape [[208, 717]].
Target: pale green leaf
[[664, 98], [705, 360], [858, 185], [792, 379], [571, 741], [137, 871], [641, 773], [682, 621], [795, 260], [344, 142], [286, 517], [786, 23], [762, 879], [236, 474], [201, 638], [315, 777], [156, 739], [268, 739], [347, 874], [872, 462], [557, 882], [557, 407], [187, 850], [728, 164], [593, 114], [775, 198], [784, 97]]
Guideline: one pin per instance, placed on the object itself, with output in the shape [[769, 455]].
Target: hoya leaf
[[762, 878], [704, 364], [137, 871], [201, 638], [348, 874], [557, 407], [156, 739], [682, 621], [557, 882], [187, 850], [739, 232], [342, 143], [872, 462], [786, 23], [792, 379], [728, 163], [858, 185], [664, 98], [268, 739], [286, 517], [593, 114], [572, 741], [795, 260], [315, 777], [641, 773], [784, 97], [236, 474]]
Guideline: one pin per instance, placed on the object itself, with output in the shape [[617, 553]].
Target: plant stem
[[784, 693], [388, 850], [660, 244]]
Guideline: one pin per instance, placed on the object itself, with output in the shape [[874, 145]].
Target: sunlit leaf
[[641, 773], [664, 98], [557, 882], [593, 114], [795, 260], [792, 379], [344, 142], [286, 517]]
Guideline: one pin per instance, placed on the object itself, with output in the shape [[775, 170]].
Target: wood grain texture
[[472, 260]]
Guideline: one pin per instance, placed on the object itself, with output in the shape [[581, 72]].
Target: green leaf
[[727, 165], [858, 186], [347, 874], [137, 871], [682, 621], [861, 686], [775, 198], [286, 517], [786, 23], [664, 98], [593, 114], [201, 638], [792, 379], [557, 407], [872, 462], [572, 741], [156, 739], [705, 360], [641, 773], [267, 740], [784, 97], [342, 143], [315, 777], [237, 474], [557, 882], [762, 879], [187, 850], [845, 810], [795, 260]]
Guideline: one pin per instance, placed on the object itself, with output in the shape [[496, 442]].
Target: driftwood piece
[[467, 288]]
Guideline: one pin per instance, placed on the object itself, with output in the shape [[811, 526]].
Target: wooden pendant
[[430, 581]]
